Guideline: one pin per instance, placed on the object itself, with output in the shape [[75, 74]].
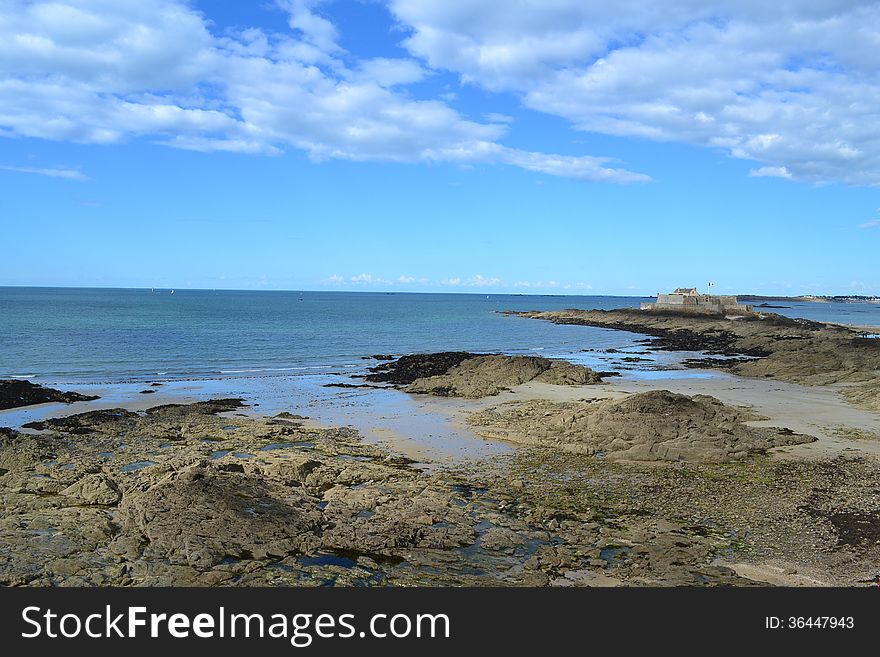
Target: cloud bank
[[106, 71], [794, 86]]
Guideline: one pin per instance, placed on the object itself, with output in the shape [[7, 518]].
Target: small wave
[[278, 369], [22, 376]]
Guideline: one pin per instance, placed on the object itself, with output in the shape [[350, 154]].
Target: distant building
[[688, 300]]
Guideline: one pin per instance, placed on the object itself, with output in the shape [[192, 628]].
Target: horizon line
[[351, 291]]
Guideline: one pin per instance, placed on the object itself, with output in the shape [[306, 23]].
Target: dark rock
[[15, 393], [83, 423], [210, 407], [284, 415], [407, 369]]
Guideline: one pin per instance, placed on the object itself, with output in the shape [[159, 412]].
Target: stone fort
[[687, 300]]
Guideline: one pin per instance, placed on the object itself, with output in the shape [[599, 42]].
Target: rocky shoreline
[[199, 494], [767, 345], [647, 488]]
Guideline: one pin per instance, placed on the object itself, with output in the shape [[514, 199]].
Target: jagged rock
[[94, 489], [202, 515]]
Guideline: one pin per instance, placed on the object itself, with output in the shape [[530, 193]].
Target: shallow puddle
[[137, 465]]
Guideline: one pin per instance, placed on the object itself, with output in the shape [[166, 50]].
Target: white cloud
[[105, 71], [478, 280], [475, 281], [874, 223], [69, 174], [482, 281], [314, 28], [495, 117], [390, 72], [580, 168], [549, 285], [791, 85], [370, 279], [770, 172]]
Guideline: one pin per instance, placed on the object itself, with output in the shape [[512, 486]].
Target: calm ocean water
[[110, 335], [116, 335]]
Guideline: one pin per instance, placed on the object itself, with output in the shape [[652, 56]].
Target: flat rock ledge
[[651, 426], [472, 376]]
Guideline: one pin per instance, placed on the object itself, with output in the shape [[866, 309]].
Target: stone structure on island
[[686, 300]]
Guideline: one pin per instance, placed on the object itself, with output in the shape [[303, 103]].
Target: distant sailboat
[[172, 291]]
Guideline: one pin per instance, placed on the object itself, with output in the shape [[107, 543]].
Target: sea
[[289, 350]]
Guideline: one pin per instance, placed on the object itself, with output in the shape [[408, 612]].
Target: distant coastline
[[814, 298]]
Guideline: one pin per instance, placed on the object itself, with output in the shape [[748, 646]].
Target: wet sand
[[408, 425]]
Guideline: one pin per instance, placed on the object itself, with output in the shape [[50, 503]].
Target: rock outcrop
[[461, 374], [866, 395], [768, 345], [16, 392], [651, 426]]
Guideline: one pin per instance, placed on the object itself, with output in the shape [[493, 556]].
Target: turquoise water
[[112, 336], [106, 335]]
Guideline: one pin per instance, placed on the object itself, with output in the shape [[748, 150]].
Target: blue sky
[[441, 146]]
